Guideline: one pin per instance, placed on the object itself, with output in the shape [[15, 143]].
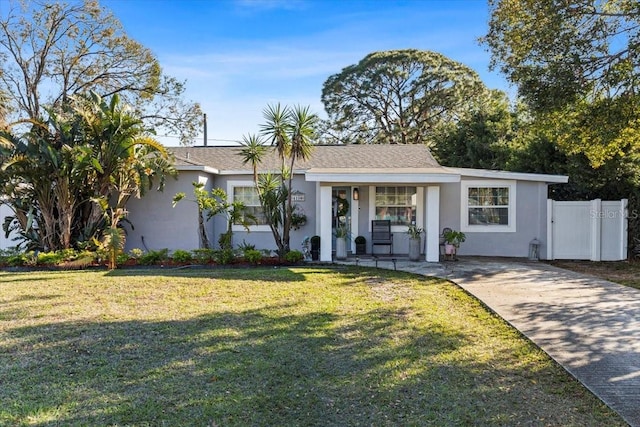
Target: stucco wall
[[161, 225], [530, 222]]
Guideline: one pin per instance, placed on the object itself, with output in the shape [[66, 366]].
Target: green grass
[[323, 347]]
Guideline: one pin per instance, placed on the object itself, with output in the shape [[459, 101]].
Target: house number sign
[[297, 196]]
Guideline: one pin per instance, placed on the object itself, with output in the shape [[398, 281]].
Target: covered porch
[[363, 190]]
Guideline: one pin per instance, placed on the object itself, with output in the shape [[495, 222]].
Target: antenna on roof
[[205, 129]]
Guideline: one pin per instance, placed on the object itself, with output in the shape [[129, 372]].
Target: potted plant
[[342, 234], [452, 240], [361, 245], [315, 248], [415, 234]]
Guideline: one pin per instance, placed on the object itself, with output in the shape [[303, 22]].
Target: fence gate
[[595, 230]]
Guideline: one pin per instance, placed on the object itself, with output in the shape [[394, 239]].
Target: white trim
[[432, 203], [252, 228], [207, 169], [464, 206], [396, 176], [519, 176]]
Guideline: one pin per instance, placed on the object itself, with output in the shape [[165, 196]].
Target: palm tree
[[290, 131], [253, 152]]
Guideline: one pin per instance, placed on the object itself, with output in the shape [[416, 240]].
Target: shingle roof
[[379, 156]]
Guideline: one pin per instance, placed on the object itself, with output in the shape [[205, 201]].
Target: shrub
[[49, 258], [203, 256], [154, 257], [253, 256], [225, 256], [16, 260], [121, 258], [294, 256], [182, 256], [136, 253], [244, 247]]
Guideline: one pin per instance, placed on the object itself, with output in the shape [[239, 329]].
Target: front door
[[340, 212]]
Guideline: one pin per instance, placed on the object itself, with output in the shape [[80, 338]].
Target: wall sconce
[[356, 194]]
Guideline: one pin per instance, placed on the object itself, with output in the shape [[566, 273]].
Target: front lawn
[[269, 346]]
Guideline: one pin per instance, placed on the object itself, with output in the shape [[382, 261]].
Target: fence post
[[624, 229], [596, 229], [549, 230]]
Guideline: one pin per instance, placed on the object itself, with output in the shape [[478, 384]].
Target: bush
[[253, 256], [122, 258], [225, 256], [136, 253], [294, 256], [182, 256], [203, 256], [154, 257], [49, 258]]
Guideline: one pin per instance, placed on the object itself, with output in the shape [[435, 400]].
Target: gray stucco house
[[500, 212]]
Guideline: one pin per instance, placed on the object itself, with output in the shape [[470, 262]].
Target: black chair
[[381, 234]]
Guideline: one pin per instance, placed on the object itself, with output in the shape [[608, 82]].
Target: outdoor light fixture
[[356, 194]]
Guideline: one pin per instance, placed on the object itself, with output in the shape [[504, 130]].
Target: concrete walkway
[[589, 326]]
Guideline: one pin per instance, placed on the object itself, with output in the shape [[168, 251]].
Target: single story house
[[500, 212]]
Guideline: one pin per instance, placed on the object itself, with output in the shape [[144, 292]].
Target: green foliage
[[204, 255], [182, 256], [414, 232], [225, 239], [253, 256], [154, 257], [398, 97], [224, 256], [136, 253], [291, 132], [454, 237], [49, 258], [559, 52], [294, 256], [61, 175], [483, 139]]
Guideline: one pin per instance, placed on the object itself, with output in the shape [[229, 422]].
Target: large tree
[[399, 97], [50, 51], [560, 51]]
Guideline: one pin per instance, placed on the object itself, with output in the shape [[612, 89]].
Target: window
[[488, 206], [397, 204], [249, 196]]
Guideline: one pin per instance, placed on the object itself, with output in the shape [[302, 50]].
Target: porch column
[[432, 209], [325, 223]]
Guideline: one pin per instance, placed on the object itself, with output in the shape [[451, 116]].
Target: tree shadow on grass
[[269, 366]]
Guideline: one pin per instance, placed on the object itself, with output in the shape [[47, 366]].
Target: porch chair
[[381, 234]]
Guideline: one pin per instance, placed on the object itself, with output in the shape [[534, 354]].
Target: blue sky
[[238, 56]]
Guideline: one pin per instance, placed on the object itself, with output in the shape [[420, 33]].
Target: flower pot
[[449, 249], [341, 248], [414, 249]]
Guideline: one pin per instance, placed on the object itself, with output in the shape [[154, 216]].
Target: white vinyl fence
[[595, 230]]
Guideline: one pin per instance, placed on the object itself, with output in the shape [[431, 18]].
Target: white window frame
[[230, 194], [464, 206], [419, 206]]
